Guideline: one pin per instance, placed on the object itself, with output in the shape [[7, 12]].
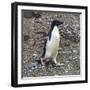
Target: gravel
[[32, 47]]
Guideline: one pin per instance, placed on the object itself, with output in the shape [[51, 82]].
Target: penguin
[[51, 44]]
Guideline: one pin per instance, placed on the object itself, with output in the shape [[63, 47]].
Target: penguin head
[[56, 23]]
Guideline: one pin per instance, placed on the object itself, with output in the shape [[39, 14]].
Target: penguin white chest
[[53, 44]]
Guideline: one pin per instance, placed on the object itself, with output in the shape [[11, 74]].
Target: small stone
[[26, 37], [74, 51], [35, 55]]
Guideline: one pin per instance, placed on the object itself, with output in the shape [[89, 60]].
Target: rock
[[35, 55], [74, 51], [26, 37], [30, 14]]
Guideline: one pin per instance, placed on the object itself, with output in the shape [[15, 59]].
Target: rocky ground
[[32, 48]]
